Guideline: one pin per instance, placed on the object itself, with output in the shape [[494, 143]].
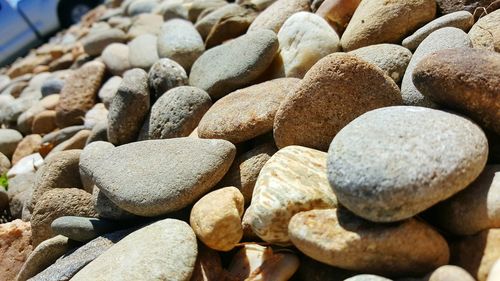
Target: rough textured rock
[[15, 247], [81, 228], [115, 57], [275, 15], [20, 188], [450, 6], [474, 209], [79, 94], [29, 145], [337, 13], [485, 34], [107, 209], [164, 75], [440, 77], [95, 42], [293, 180], [129, 107], [219, 225], [43, 256], [477, 253], [444, 38], [180, 41], [462, 20], [339, 238], [177, 113], [382, 21], [52, 86], [143, 51], [98, 133], [391, 58], [407, 139], [233, 65], [448, 273], [246, 113], [9, 139], [337, 89], [246, 168], [168, 184], [165, 250], [57, 203], [304, 39]]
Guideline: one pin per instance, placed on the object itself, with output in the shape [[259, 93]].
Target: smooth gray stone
[[82, 229]]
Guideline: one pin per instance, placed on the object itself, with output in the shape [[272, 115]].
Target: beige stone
[[15, 247], [29, 145], [485, 34], [275, 15]]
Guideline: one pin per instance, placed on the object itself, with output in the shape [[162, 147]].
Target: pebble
[[205, 24], [444, 38], [141, 7], [495, 271], [367, 277], [274, 16], [145, 24], [89, 158], [440, 77], [337, 13], [293, 180], [79, 94], [485, 33], [246, 113], [9, 139], [98, 133], [391, 58], [177, 113], [192, 168], [129, 107], [28, 164], [225, 68], [98, 114], [143, 51], [52, 86], [304, 39], [449, 273], [219, 225], [109, 89], [27, 146], [462, 20], [381, 21], [44, 122], [165, 75], [95, 42], [450, 6], [314, 113], [115, 57], [375, 190], [15, 247], [75, 142], [180, 41], [62, 135], [339, 238], [164, 250], [4, 164], [82, 229]]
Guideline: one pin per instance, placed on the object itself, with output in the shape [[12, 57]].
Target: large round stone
[[392, 163]]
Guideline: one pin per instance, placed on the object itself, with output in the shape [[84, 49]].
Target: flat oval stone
[[143, 51], [339, 238], [81, 228], [233, 65], [246, 113], [304, 39], [440, 77], [462, 20], [382, 21], [159, 183], [392, 163], [292, 181], [485, 34], [95, 42], [444, 38], [337, 89], [164, 75], [164, 250], [274, 16]]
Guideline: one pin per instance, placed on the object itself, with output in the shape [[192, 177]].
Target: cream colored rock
[[256, 262], [494, 272], [275, 15], [386, 21], [292, 181], [485, 34], [216, 218], [339, 238], [448, 273], [338, 13], [304, 39]]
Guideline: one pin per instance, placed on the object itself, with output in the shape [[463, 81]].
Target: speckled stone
[[391, 58], [274, 16], [462, 20], [164, 250], [485, 33], [219, 225], [246, 113], [444, 38], [293, 180], [416, 140], [339, 238], [382, 21], [15, 247], [337, 89], [440, 77], [165, 75]]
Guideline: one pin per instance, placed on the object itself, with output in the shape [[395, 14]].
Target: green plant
[[4, 181]]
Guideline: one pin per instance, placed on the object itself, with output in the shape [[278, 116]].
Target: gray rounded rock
[[81, 228], [143, 51], [444, 38], [391, 58], [8, 141], [129, 107], [164, 75], [164, 250], [107, 209], [392, 163], [62, 135], [233, 65], [89, 159], [52, 86], [168, 176], [180, 41], [99, 133], [95, 42], [177, 113]]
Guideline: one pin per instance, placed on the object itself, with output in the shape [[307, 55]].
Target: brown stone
[[336, 90], [15, 247], [230, 27], [79, 94], [29, 145], [338, 13], [465, 80], [44, 122]]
